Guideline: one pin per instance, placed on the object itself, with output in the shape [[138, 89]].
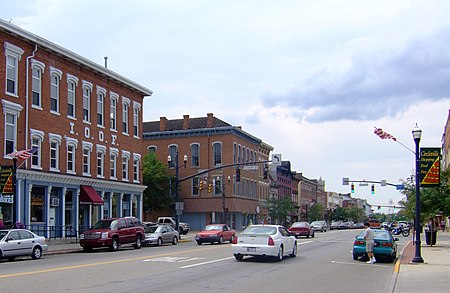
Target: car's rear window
[[377, 234], [213, 227], [263, 230], [300, 224]]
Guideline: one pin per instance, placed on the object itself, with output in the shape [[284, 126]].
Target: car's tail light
[[359, 242], [387, 244], [270, 242], [235, 239]]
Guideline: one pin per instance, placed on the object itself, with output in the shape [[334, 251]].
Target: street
[[323, 264]]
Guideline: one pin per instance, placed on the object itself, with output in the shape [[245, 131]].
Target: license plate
[[251, 249]]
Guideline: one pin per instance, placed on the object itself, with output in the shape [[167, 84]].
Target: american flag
[[24, 154], [383, 134]]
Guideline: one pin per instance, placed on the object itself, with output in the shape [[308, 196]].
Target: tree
[[315, 212], [433, 200], [279, 209], [156, 195]]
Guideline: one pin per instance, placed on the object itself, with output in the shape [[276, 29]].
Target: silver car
[[160, 234], [21, 242], [319, 226], [264, 240]]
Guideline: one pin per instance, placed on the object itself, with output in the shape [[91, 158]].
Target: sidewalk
[[430, 276], [60, 246]]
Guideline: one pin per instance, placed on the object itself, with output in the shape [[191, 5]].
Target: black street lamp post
[[178, 208], [417, 133]]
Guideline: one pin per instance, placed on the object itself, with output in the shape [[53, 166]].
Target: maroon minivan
[[113, 233]]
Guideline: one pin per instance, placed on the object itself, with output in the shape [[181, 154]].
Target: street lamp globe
[[416, 132]]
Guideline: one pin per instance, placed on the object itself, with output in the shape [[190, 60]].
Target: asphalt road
[[324, 264]]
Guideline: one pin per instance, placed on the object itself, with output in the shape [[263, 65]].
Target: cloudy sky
[[310, 78]]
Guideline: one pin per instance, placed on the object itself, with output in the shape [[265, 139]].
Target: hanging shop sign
[[430, 162]]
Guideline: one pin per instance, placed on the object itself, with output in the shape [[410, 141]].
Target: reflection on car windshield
[[213, 227], [299, 224], [105, 225], [263, 230], [3, 234], [316, 223]]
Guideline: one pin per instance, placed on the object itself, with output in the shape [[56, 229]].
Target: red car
[[215, 233], [301, 229]]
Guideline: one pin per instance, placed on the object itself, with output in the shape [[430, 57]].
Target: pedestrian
[[370, 241]]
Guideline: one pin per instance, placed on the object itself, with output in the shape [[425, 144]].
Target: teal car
[[385, 246]]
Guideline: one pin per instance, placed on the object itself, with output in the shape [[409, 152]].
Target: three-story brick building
[[83, 120]]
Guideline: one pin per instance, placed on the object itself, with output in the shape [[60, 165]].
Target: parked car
[[215, 233], [385, 245], [264, 240], [301, 229], [113, 233], [335, 225], [183, 228], [350, 225], [156, 234], [319, 226], [21, 242], [359, 225], [343, 225]]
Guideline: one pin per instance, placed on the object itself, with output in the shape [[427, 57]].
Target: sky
[[310, 78]]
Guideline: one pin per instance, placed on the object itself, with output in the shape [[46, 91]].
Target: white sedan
[[264, 240], [20, 242]]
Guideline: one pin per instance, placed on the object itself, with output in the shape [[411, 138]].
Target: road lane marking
[[360, 264], [173, 259], [206, 262], [306, 242], [43, 271]]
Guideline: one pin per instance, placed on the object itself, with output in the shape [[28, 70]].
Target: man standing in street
[[369, 238]]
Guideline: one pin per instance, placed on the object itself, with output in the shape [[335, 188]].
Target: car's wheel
[[12, 258], [312, 235], [294, 250], [239, 257], [199, 242], [114, 244], [160, 242], [138, 243], [37, 253], [280, 254], [220, 240], [307, 236], [87, 249], [355, 257], [175, 240]]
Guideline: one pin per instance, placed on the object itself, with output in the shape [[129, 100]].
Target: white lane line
[[206, 262], [305, 242], [359, 264]]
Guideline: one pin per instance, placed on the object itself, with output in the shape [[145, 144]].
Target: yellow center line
[[100, 263]]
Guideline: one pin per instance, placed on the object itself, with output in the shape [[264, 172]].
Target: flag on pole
[[24, 154], [383, 134]]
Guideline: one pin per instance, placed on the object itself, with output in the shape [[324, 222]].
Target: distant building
[[212, 144]]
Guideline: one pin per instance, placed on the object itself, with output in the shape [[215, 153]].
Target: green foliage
[[315, 212], [433, 200], [279, 209], [348, 214], [156, 195]]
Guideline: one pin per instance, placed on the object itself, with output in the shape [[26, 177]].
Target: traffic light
[[201, 185], [373, 189], [238, 175], [353, 188], [265, 171], [379, 207], [210, 187]]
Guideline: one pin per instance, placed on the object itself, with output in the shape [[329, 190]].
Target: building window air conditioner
[[54, 202]]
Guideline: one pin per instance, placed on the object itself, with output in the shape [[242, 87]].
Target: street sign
[[179, 206], [399, 187], [276, 159], [345, 181], [383, 182], [250, 168]]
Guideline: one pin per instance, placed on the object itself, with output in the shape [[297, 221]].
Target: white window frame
[[37, 155], [136, 165], [13, 109], [36, 82], [136, 120], [72, 95], [114, 99], [194, 163], [101, 152], [114, 154], [214, 153], [87, 150], [101, 94], [14, 52], [87, 92], [55, 142], [71, 154], [125, 113], [125, 165], [55, 82]]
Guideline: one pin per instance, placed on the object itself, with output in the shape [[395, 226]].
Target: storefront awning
[[88, 195]]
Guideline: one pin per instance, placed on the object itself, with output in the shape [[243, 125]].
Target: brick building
[[85, 122], [210, 143]]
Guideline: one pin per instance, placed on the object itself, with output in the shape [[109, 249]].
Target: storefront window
[[37, 204]]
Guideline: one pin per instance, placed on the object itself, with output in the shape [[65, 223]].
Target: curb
[[393, 280]]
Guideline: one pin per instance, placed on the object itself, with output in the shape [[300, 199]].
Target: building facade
[[214, 150], [83, 123]]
